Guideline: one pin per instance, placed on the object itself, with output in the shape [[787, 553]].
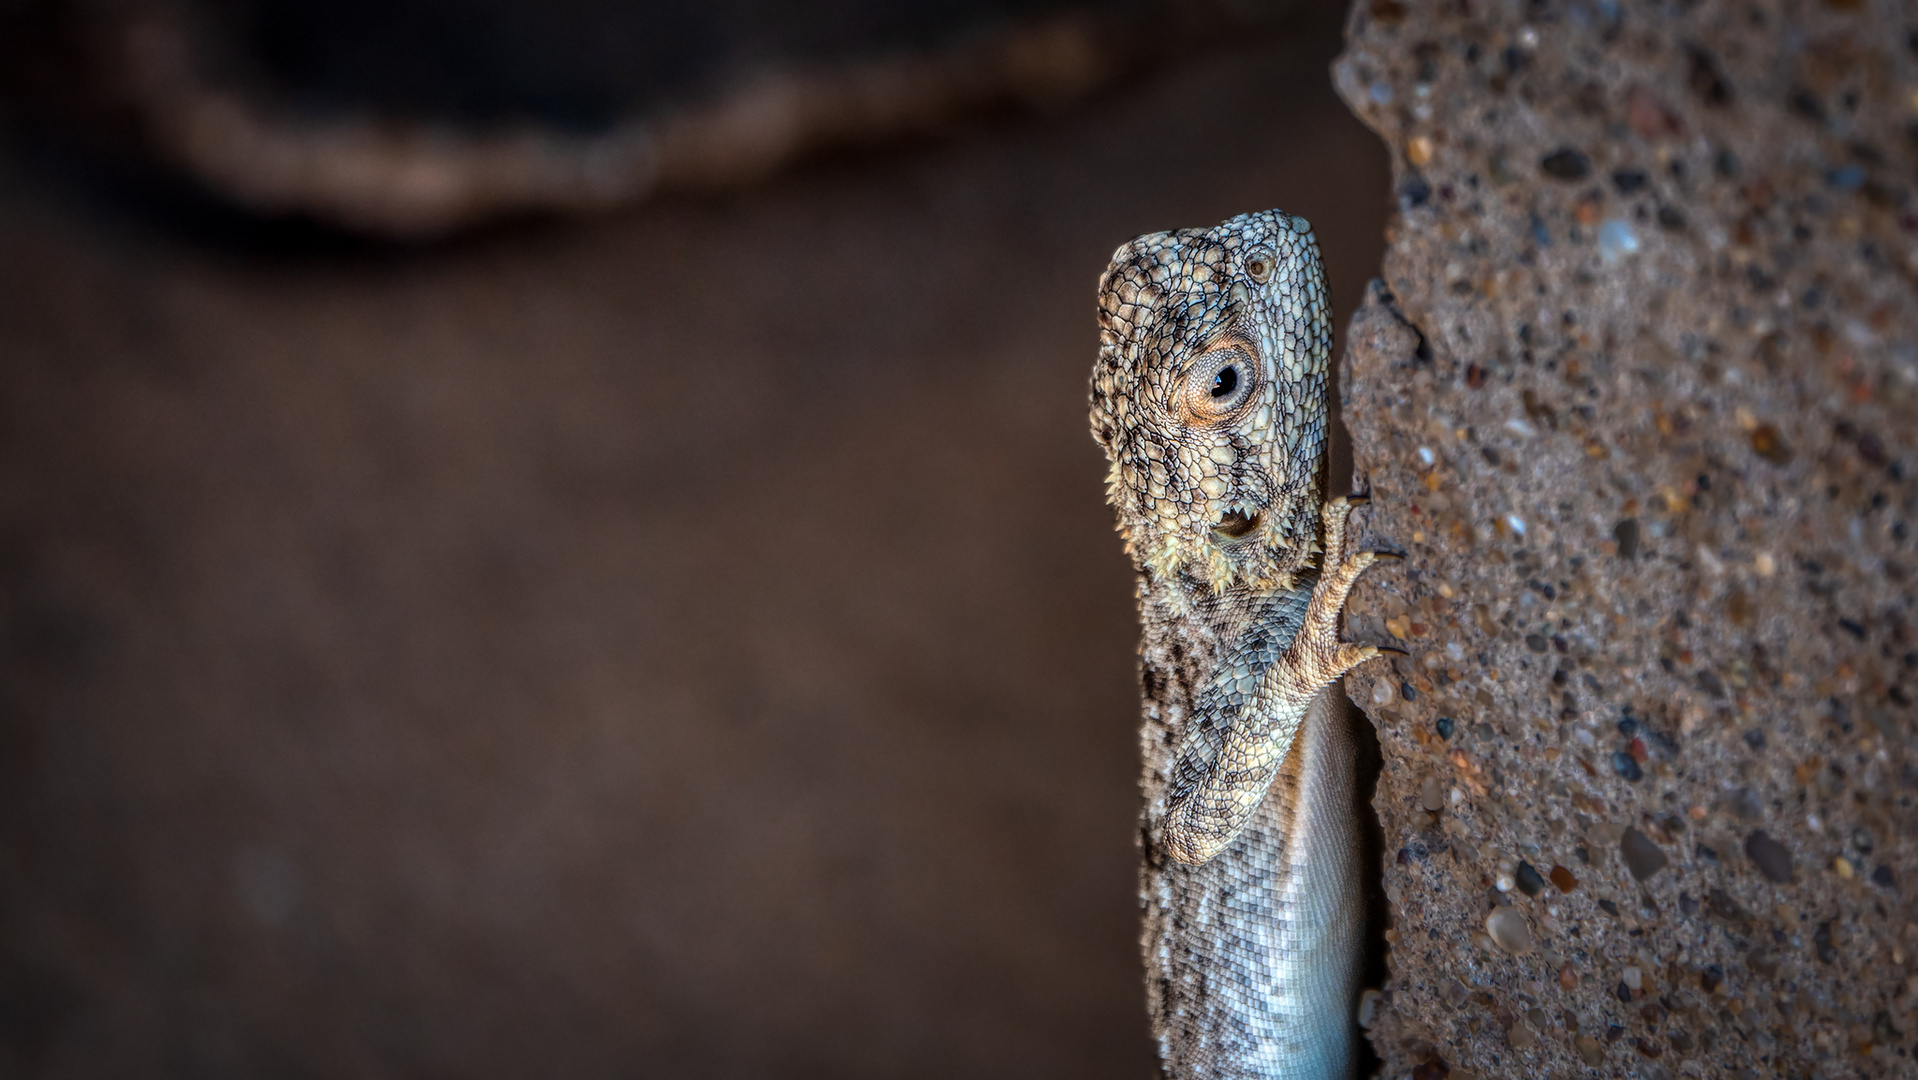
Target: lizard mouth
[[1235, 524]]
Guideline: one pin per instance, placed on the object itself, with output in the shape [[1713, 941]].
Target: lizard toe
[[1351, 656]]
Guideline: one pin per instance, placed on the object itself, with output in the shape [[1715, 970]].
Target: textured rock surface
[[1639, 406]]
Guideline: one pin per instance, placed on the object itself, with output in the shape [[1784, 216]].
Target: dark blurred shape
[[585, 64], [419, 117]]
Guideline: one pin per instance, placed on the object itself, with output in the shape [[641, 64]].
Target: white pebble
[[1616, 240], [1369, 1008]]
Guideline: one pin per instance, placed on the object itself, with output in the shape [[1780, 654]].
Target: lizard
[[1209, 399]]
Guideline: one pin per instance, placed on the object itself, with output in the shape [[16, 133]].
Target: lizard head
[[1209, 398]]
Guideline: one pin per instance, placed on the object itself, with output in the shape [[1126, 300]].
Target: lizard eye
[[1221, 382], [1259, 264]]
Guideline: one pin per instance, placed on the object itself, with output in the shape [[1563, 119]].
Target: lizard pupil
[[1226, 381]]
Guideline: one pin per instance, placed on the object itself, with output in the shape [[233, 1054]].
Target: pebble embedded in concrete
[[1642, 856], [1509, 931], [1529, 881], [1772, 858]]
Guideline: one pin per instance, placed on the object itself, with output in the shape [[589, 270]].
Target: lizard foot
[[1317, 656]]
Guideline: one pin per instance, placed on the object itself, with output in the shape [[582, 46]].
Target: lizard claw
[[1390, 650], [1350, 656]]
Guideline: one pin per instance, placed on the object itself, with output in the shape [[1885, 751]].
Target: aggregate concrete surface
[[688, 643], [1637, 399]]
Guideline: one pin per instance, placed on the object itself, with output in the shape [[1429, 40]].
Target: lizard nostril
[[1235, 524]]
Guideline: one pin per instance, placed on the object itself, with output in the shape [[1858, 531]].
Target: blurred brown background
[[688, 641]]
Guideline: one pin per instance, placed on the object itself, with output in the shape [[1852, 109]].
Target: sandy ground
[[687, 643]]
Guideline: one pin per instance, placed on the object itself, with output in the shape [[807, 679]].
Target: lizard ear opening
[[1236, 523], [1218, 385]]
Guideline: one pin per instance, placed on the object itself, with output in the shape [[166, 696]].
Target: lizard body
[[1209, 399]]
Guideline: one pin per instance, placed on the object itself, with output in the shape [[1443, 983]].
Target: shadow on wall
[[688, 641]]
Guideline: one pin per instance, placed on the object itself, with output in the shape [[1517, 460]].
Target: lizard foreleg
[[1223, 769]]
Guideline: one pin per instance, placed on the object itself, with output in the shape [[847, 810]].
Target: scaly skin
[[1209, 400]]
